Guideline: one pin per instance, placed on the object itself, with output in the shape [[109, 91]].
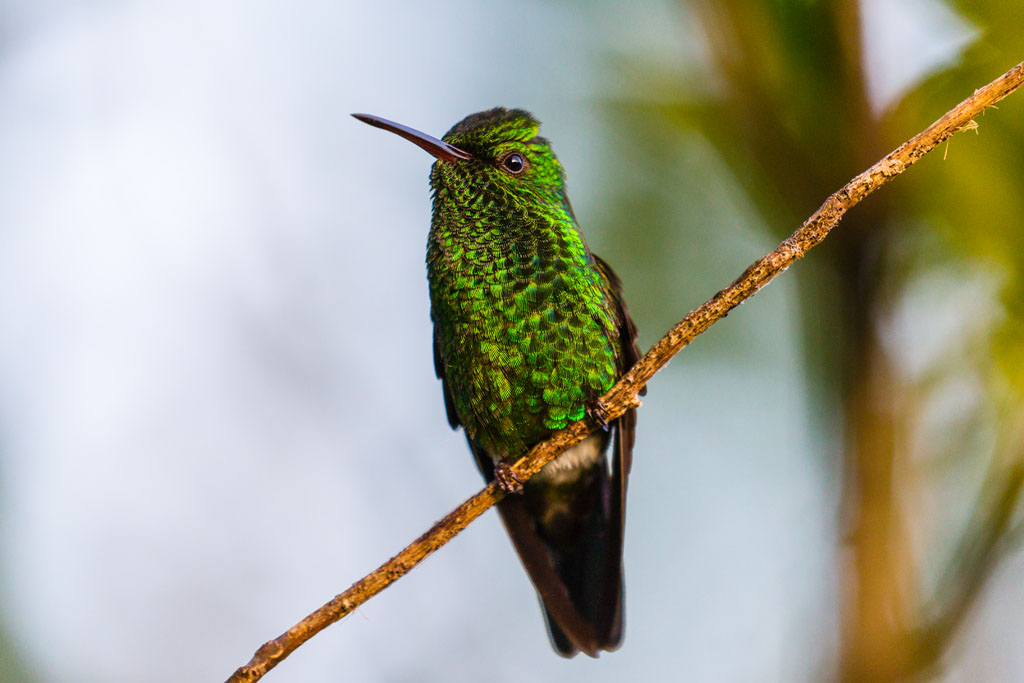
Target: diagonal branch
[[623, 395]]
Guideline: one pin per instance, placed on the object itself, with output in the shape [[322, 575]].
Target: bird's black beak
[[440, 149]]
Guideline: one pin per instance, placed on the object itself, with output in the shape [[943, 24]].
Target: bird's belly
[[523, 357], [513, 389], [566, 467]]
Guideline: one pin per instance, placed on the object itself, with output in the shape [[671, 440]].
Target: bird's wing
[[629, 355], [449, 404], [624, 438]]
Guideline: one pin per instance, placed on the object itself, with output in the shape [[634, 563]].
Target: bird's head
[[491, 161]]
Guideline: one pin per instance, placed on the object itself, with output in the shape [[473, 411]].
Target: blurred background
[[217, 399]]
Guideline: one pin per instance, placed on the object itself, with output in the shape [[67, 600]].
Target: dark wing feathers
[[626, 435], [624, 438], [449, 404]]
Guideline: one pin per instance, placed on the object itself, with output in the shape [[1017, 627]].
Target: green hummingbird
[[530, 328]]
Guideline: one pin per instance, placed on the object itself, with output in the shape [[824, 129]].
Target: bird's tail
[[587, 557]]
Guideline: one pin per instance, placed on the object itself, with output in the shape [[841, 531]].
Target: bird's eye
[[514, 163]]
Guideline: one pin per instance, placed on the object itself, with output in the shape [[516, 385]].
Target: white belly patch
[[565, 466]]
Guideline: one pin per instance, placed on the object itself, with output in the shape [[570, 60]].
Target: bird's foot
[[598, 414], [507, 479]]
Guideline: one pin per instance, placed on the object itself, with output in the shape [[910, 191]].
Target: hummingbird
[[530, 329]]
